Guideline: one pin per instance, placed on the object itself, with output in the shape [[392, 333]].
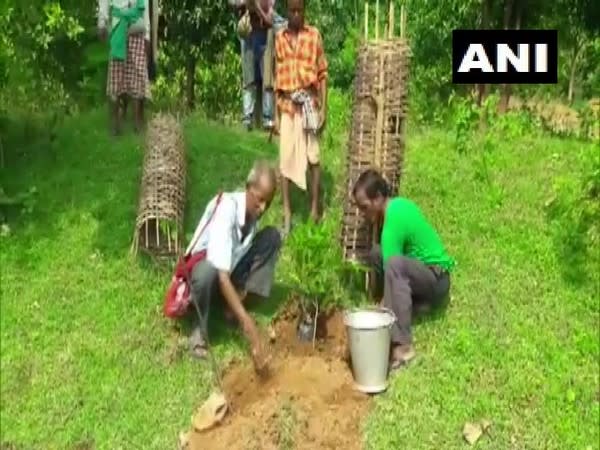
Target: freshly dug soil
[[307, 400]]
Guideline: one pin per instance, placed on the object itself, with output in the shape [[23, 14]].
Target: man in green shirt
[[411, 261]]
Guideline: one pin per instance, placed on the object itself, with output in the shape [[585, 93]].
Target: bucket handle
[[390, 312]]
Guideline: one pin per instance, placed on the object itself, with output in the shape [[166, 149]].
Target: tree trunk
[[190, 85], [505, 88], [573, 73], [486, 7], [570, 94]]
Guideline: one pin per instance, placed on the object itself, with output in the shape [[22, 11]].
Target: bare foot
[[315, 216], [401, 355], [287, 226]]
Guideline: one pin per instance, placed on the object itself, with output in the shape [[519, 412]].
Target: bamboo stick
[[366, 21], [391, 20], [376, 20], [169, 236], [402, 21], [157, 234]]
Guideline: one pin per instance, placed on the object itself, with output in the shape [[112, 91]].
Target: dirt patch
[[306, 402]]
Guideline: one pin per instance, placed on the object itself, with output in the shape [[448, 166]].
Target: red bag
[[178, 296]]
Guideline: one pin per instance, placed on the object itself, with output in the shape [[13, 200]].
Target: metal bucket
[[369, 334]]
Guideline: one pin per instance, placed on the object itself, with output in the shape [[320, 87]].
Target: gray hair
[[259, 169]]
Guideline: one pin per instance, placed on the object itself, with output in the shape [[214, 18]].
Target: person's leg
[[138, 108], [248, 101], [267, 93], [255, 271], [123, 103], [115, 117], [267, 107], [286, 162], [248, 83], [137, 76], [315, 190], [376, 263], [404, 280], [115, 88], [313, 156], [287, 205], [204, 287]]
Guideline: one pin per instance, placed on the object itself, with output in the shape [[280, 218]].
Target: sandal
[[401, 356], [199, 351], [396, 364], [198, 347], [286, 230]]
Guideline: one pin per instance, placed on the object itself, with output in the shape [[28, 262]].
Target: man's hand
[[102, 34], [248, 325], [260, 356]]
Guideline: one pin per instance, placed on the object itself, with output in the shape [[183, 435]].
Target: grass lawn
[[88, 358]]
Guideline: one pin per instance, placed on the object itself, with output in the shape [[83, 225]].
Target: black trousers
[[406, 282]]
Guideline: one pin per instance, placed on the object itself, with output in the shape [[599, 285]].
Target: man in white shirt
[[239, 258], [126, 23]]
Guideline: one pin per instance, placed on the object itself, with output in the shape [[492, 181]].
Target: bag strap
[[212, 214]]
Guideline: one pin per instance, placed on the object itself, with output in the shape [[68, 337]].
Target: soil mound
[[307, 401]]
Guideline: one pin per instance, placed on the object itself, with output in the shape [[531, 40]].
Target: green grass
[[88, 358]]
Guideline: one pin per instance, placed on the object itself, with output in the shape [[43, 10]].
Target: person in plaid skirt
[[301, 93], [129, 39]]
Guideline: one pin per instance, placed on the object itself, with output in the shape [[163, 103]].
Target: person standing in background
[[255, 28], [129, 41], [301, 90]]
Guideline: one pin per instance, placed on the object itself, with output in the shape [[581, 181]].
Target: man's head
[[370, 193], [260, 189], [295, 14]]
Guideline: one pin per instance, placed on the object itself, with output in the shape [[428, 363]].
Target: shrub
[[316, 269], [316, 265], [574, 210]]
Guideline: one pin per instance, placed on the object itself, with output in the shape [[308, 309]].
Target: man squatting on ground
[[129, 40], [239, 258], [301, 92], [411, 263]]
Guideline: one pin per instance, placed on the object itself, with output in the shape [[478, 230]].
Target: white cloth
[[222, 238], [141, 26], [310, 119]]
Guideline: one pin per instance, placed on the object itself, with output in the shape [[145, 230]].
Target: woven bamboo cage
[[159, 223], [376, 139]]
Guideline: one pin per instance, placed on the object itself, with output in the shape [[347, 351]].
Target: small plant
[[466, 116], [316, 269], [574, 209]]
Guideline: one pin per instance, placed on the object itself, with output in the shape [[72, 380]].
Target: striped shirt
[[302, 67]]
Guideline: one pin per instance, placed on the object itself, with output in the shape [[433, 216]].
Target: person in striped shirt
[[301, 105]]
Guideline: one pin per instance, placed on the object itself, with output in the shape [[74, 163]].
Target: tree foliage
[[49, 53]]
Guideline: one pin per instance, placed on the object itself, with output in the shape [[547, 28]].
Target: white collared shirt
[[222, 238]]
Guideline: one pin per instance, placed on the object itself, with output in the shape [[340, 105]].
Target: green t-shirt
[[406, 232]]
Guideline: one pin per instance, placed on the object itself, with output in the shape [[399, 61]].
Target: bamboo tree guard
[[159, 223], [378, 123]]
